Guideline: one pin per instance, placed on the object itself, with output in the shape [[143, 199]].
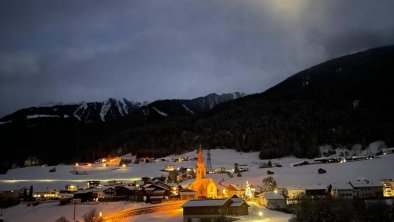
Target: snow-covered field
[[374, 169]]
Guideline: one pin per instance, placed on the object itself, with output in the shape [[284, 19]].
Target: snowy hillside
[[373, 169], [287, 175]]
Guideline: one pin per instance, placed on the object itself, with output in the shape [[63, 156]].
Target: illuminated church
[[204, 187]]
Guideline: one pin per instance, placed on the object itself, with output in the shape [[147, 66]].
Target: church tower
[[203, 186], [201, 170]]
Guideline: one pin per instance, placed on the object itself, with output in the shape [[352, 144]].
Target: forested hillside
[[340, 102]]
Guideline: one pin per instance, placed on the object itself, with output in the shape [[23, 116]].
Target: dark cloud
[[72, 51]]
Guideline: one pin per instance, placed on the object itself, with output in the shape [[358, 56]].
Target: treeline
[[338, 210]]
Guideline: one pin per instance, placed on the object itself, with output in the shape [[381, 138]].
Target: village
[[202, 192]]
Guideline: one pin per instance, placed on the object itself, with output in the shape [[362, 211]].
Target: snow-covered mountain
[[115, 109], [110, 109], [183, 107]]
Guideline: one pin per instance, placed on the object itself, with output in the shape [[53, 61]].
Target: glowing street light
[[261, 215]]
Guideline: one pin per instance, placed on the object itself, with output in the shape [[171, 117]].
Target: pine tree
[[248, 191]]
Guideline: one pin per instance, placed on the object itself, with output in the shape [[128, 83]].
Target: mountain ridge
[[115, 109]]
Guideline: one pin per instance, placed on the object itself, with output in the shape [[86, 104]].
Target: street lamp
[[261, 215]]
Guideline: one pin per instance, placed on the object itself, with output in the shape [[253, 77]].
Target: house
[[272, 200], [388, 186], [127, 191], [93, 184], [238, 207], [71, 188], [156, 199], [170, 168], [316, 191], [343, 191], [327, 160], [86, 196], [367, 189], [294, 193], [156, 189], [388, 151], [47, 195], [115, 183], [233, 189], [12, 194], [213, 210], [187, 194], [109, 192]]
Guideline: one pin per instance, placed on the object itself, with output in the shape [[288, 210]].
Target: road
[[119, 215]]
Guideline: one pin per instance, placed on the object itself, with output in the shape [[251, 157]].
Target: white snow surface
[[41, 116], [104, 109], [188, 109], [160, 112], [373, 170]]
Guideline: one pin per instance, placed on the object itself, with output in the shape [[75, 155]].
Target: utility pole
[[209, 164], [75, 203]]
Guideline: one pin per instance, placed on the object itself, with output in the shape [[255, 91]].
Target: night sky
[[71, 51]]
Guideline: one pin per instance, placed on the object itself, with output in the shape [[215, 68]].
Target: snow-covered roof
[[129, 187], [159, 192], [237, 204], [104, 188], [295, 187], [205, 203], [236, 199], [307, 187], [235, 186], [341, 186], [364, 183], [273, 196], [316, 187]]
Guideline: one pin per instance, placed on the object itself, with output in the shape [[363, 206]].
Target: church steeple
[[200, 157], [201, 170]]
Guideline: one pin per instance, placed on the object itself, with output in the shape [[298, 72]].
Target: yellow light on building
[[224, 192]]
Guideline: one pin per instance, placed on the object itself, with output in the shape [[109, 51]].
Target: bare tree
[[92, 216], [62, 219]]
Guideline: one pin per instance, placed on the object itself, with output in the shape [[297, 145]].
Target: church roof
[[204, 181]]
